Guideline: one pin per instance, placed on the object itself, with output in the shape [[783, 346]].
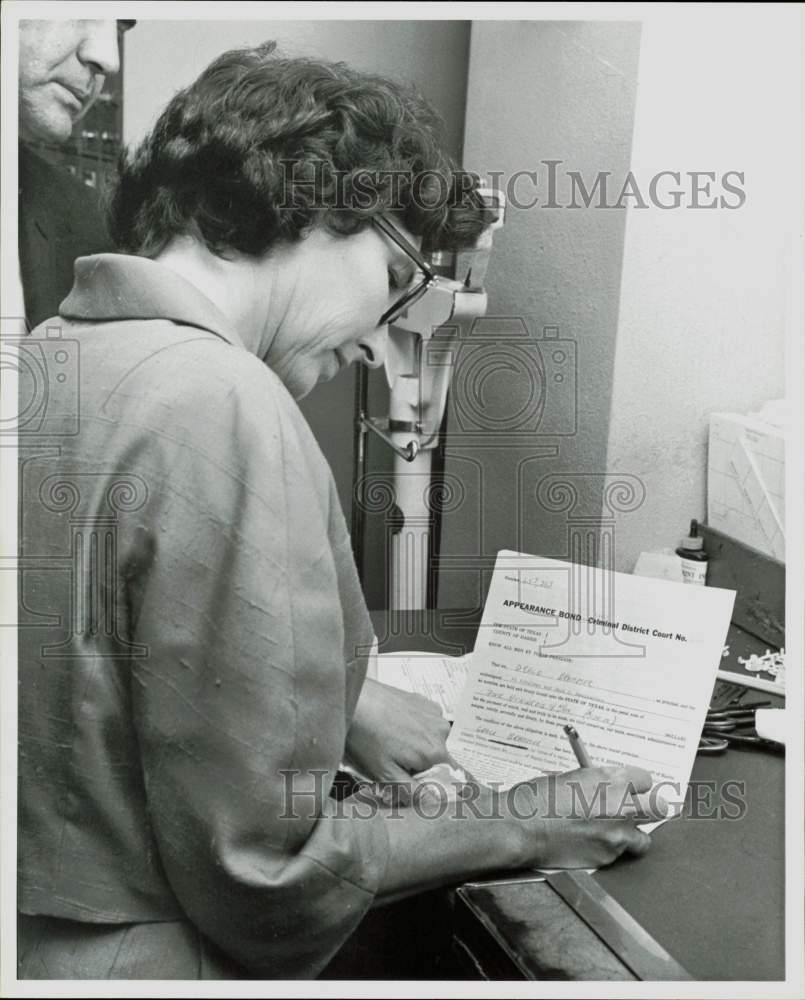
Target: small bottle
[[694, 558]]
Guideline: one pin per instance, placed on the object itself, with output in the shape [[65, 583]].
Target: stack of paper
[[746, 479]]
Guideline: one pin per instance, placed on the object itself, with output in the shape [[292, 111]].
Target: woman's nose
[[373, 347]]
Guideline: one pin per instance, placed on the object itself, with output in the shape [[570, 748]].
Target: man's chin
[[54, 129]]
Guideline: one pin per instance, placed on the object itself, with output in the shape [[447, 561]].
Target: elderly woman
[[191, 680]]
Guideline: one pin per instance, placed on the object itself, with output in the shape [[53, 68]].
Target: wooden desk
[[711, 891]]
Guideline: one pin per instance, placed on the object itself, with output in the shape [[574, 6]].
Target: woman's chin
[[330, 367]]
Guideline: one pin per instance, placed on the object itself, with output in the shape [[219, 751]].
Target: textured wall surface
[[703, 295], [539, 91]]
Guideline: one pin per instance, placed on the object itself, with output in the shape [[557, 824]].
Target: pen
[[578, 747]]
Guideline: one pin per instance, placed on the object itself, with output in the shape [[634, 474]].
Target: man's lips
[[78, 95]]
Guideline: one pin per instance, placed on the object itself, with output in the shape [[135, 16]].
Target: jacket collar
[[112, 286], [30, 167]]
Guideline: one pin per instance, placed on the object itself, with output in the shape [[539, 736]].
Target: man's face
[[61, 71]]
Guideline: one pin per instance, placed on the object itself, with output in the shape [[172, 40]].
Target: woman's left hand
[[395, 734]]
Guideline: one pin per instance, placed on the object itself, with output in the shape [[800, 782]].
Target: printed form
[[440, 678], [629, 661]]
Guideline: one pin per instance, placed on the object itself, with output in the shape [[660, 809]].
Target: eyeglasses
[[416, 291]]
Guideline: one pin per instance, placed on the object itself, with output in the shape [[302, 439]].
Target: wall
[[432, 54], [538, 91], [163, 56], [703, 292]]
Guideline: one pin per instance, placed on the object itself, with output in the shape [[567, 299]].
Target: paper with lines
[[746, 481], [629, 661], [439, 678]]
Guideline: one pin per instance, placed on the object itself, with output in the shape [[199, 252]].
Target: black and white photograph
[[401, 449]]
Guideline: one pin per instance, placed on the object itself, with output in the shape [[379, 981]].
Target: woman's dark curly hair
[[261, 149]]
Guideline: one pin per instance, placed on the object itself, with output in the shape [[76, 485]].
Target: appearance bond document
[[630, 662]]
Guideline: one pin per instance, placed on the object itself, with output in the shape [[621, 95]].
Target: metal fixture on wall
[[422, 346]]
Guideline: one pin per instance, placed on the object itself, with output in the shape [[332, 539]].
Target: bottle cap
[[692, 542]]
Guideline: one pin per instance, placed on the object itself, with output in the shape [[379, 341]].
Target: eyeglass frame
[[412, 294]]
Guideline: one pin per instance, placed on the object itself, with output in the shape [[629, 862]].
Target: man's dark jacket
[[59, 220]]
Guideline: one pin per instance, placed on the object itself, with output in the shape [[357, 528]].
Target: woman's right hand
[[581, 819]]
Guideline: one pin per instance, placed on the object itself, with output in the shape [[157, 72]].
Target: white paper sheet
[[636, 688], [440, 678], [773, 724]]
